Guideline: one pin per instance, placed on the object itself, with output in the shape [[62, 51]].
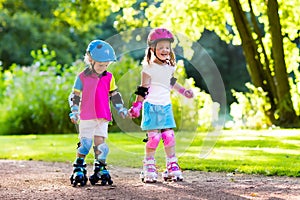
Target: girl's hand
[[188, 93], [134, 111]]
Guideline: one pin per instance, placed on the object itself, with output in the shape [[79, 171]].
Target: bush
[[295, 91], [250, 109], [198, 113], [35, 98]]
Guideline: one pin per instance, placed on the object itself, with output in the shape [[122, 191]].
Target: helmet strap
[[92, 64]]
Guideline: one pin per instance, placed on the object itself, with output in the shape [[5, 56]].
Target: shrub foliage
[[34, 99]]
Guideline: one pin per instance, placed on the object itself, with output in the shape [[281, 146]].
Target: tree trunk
[[260, 74], [248, 43], [287, 114], [272, 94], [276, 86]]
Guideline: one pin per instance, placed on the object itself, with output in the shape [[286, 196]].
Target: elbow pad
[[116, 99], [142, 91], [173, 81], [74, 99]]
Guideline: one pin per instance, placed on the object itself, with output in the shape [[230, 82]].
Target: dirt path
[[42, 180]]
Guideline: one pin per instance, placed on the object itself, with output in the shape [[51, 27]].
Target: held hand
[[134, 111], [187, 93], [74, 116], [122, 111]]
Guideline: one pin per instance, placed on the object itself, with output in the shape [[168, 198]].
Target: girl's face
[[100, 67], [163, 49]]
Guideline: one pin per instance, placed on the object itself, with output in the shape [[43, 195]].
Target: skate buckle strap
[[100, 164], [149, 161], [173, 166], [79, 165], [150, 168]]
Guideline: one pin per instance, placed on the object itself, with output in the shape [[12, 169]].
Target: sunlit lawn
[[268, 152]]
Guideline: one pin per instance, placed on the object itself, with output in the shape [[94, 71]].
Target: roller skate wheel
[[93, 179], [72, 179], [142, 177], [175, 179], [83, 183], [103, 182], [150, 180], [110, 182]]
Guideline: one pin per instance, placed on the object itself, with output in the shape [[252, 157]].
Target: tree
[[272, 78], [266, 29], [28, 25]]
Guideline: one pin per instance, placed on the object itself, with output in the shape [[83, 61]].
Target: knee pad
[[153, 140], [101, 152], [168, 138], [85, 146]]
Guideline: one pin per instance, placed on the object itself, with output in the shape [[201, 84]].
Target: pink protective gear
[[136, 109], [168, 138], [181, 90], [153, 139], [159, 34]]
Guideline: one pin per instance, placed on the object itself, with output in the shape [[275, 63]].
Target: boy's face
[[163, 49], [100, 67]]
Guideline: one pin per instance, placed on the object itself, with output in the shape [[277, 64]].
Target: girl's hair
[[148, 54]]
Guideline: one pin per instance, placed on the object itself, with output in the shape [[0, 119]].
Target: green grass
[[275, 152]]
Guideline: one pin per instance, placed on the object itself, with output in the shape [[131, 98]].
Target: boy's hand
[[74, 116], [122, 111]]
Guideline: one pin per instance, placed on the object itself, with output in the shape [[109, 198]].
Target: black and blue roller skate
[[79, 173], [100, 173]]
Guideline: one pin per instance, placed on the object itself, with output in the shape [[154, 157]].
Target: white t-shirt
[[159, 91]]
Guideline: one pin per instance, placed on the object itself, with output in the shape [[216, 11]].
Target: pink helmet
[[158, 34]]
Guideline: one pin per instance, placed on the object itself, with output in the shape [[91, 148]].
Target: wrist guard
[[116, 99], [74, 116], [136, 109], [118, 103]]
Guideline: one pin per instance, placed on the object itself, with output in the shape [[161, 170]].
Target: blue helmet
[[101, 51]]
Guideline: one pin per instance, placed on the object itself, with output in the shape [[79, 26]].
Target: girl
[[154, 95], [93, 89]]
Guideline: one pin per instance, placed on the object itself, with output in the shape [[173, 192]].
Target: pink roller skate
[[173, 171], [149, 173]]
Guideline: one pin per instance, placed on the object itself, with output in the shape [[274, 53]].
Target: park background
[[254, 45]]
